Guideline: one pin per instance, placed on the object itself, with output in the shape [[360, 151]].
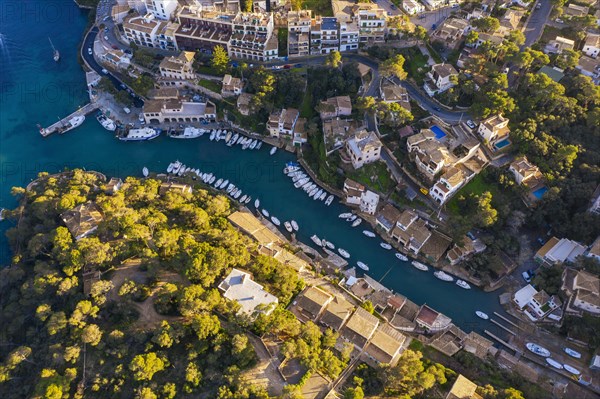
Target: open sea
[[34, 89]]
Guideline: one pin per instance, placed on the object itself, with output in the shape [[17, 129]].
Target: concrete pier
[[56, 127]]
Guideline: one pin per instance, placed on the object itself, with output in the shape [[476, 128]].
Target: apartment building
[[141, 30], [179, 67], [363, 147], [162, 9], [253, 37], [371, 21], [299, 24], [349, 35], [324, 35], [282, 122]]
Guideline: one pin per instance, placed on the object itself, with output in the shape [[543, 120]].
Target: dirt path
[[265, 372]]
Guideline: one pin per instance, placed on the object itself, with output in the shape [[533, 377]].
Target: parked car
[[126, 110], [115, 47], [105, 71], [106, 37], [435, 107], [526, 276], [538, 6], [560, 21], [89, 50], [471, 124]]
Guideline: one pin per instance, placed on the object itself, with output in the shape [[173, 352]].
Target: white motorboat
[[443, 276], [356, 222], [316, 240], [218, 183], [419, 266], [170, 167], [571, 369], [259, 145], [243, 199], [344, 215], [352, 218], [256, 203], [294, 225], [253, 144], [176, 167], [385, 245], [228, 136], [572, 353], [482, 315], [554, 363], [233, 139], [368, 233], [145, 171], [265, 213], [344, 253], [313, 191], [213, 134], [323, 196], [188, 133], [362, 265], [538, 350], [275, 221], [237, 194], [212, 179], [301, 182], [224, 184], [248, 200], [74, 122], [288, 226], [246, 144], [181, 170], [328, 244], [317, 194], [106, 122], [143, 134], [401, 257], [273, 151], [239, 139], [463, 284], [230, 188], [329, 200]]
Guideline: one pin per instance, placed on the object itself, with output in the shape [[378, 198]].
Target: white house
[[591, 47], [558, 45], [363, 148], [523, 171], [353, 191], [162, 9], [231, 86], [493, 129], [368, 202], [450, 182], [559, 251], [583, 290], [117, 58], [283, 122], [535, 304], [238, 286], [412, 7], [439, 79]]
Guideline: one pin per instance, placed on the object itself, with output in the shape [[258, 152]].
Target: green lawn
[[374, 175], [282, 39], [212, 85], [205, 70], [434, 54], [416, 64], [476, 186]]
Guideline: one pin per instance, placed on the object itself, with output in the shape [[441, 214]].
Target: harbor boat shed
[[310, 304], [385, 346], [360, 328]]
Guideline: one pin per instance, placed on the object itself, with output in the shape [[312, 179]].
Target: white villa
[[238, 286], [363, 148]]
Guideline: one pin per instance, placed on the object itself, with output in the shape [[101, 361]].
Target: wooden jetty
[[503, 327], [503, 342], [86, 109], [508, 321]]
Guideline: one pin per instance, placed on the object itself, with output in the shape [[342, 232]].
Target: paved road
[[429, 18], [389, 7], [535, 26]]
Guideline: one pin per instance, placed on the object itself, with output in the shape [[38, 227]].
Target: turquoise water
[[501, 144], [37, 90], [539, 193]]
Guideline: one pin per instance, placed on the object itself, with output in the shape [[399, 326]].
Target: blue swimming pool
[[439, 133], [540, 192], [501, 144]]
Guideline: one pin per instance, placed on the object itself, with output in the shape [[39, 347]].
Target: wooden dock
[[56, 127], [508, 321], [501, 341], [503, 327]]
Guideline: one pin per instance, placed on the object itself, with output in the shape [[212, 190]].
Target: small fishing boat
[[356, 222], [213, 134], [419, 265], [572, 353], [256, 203], [265, 212], [228, 137], [463, 284], [170, 167], [259, 145], [368, 233], [294, 225], [345, 215], [55, 53], [145, 171], [554, 363], [224, 184], [538, 350], [237, 194], [571, 369], [401, 256], [288, 226], [443, 276], [181, 170], [273, 151], [385, 245], [352, 218], [362, 265], [247, 201], [482, 315], [218, 183], [316, 240], [240, 139], [329, 200], [243, 199], [323, 196], [317, 194], [328, 244], [275, 221], [253, 144], [212, 179], [344, 253]]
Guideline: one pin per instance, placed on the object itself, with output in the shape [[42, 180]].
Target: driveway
[[429, 18]]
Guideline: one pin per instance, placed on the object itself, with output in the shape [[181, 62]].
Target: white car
[[90, 51], [105, 37], [105, 71], [471, 124]]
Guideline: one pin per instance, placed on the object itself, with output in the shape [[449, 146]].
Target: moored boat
[[463, 284], [571, 369], [328, 244], [74, 122], [265, 212], [419, 265], [316, 240], [145, 171], [256, 203], [243, 199], [401, 256], [385, 245], [288, 226], [259, 145], [344, 253], [218, 183], [275, 221], [145, 133], [482, 315], [443, 276], [538, 350], [362, 265], [554, 363], [224, 184], [273, 151], [368, 233], [573, 353], [323, 195], [213, 134], [329, 200], [356, 222], [294, 225], [344, 215]]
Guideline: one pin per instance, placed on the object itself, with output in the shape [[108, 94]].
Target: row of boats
[[106, 122], [180, 169], [303, 181], [543, 352], [228, 136]]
